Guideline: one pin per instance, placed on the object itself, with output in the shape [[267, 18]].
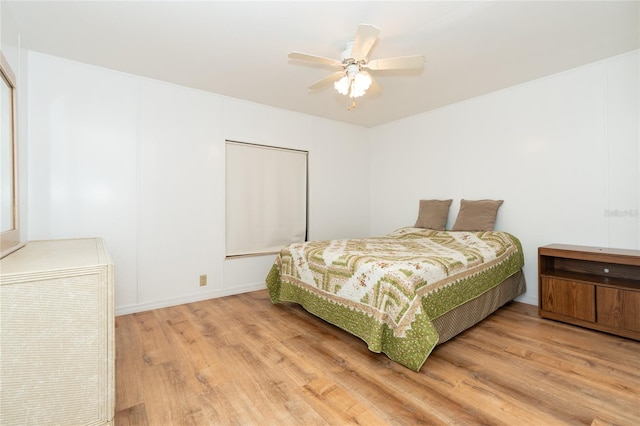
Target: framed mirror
[[9, 230]]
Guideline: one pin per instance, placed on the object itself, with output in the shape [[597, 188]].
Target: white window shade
[[266, 198]]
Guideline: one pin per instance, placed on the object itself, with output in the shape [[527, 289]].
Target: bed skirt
[[472, 312]]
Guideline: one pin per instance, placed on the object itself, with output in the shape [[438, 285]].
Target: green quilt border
[[410, 351]]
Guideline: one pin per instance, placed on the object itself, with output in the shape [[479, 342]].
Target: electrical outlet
[[203, 280]]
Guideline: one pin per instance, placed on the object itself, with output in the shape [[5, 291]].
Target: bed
[[402, 293]]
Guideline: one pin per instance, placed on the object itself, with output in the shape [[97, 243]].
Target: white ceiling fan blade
[[315, 58], [403, 62], [328, 79], [365, 38]]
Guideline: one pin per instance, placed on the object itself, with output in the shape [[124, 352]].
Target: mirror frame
[[10, 239]]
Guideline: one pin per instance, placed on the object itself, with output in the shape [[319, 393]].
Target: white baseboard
[[527, 300], [157, 304]]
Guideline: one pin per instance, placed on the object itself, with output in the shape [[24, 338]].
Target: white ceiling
[[240, 48]]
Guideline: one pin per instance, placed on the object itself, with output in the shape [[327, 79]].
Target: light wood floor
[[240, 360]]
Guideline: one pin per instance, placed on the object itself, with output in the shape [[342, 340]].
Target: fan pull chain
[[353, 104]]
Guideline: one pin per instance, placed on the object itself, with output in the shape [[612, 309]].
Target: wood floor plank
[[240, 360], [134, 415], [127, 359], [543, 395], [576, 368]]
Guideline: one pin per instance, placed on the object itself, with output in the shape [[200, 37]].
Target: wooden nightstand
[[592, 287]]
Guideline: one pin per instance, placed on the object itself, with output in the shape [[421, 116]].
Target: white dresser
[[57, 334]]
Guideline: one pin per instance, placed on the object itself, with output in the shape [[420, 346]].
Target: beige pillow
[[478, 215], [433, 214]]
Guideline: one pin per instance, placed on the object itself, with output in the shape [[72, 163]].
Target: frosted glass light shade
[[361, 82], [342, 85]]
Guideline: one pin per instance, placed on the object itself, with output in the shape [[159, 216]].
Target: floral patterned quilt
[[387, 290]]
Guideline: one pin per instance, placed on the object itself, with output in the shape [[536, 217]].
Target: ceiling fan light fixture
[[354, 83]]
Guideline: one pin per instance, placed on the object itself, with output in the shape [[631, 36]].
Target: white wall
[[10, 39], [141, 163], [562, 151]]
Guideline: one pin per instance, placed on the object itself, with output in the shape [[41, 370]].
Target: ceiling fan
[[354, 79]]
